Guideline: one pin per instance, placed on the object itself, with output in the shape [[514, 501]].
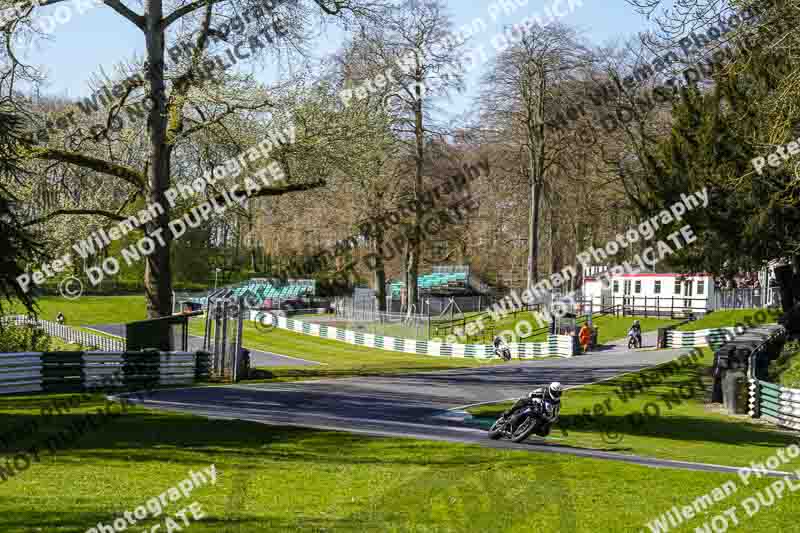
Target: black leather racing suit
[[637, 331], [536, 400]]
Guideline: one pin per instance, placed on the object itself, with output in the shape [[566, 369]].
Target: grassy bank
[[730, 317], [785, 370], [281, 479], [666, 418], [88, 310]]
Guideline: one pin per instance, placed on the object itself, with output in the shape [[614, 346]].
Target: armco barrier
[[20, 372], [74, 371], [703, 337], [779, 405], [558, 345]]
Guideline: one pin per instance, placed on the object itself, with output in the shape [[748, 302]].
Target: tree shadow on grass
[[151, 436]]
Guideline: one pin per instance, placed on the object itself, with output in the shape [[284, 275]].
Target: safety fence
[[713, 337], [68, 334], [75, 371], [777, 404], [555, 345]]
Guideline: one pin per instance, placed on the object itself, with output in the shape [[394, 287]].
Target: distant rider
[[636, 330], [536, 399], [499, 347], [60, 318]]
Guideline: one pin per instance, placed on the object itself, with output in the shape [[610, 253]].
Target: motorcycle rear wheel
[[523, 430]]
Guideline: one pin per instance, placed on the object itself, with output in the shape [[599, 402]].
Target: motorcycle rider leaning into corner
[[536, 400]]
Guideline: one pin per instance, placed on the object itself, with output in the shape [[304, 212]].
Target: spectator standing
[[585, 337]]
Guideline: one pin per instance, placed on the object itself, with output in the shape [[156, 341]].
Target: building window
[[701, 287], [638, 286], [657, 287], [616, 287], [677, 286]]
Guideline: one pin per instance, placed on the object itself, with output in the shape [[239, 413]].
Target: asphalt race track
[[257, 357], [423, 405]]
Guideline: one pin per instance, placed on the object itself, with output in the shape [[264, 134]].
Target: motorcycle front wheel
[[496, 431], [523, 430]]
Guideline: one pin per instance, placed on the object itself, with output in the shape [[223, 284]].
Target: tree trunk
[[536, 152], [580, 238], [785, 278], [157, 275], [414, 248], [555, 249], [533, 234], [379, 272]]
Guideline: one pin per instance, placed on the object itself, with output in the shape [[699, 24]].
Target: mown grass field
[[282, 479]]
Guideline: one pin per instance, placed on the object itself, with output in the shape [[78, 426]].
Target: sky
[[99, 38]]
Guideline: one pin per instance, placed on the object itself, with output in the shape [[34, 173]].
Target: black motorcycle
[[533, 420]]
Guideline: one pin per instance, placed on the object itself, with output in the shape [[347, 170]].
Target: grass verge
[[731, 317], [285, 479], [659, 412]]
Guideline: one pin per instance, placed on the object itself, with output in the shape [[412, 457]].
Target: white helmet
[[554, 391]]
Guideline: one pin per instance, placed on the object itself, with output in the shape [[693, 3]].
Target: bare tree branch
[[98, 165]]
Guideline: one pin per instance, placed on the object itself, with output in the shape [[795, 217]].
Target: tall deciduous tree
[[419, 45], [519, 91], [174, 113]]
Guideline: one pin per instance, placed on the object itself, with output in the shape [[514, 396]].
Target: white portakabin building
[[648, 293]]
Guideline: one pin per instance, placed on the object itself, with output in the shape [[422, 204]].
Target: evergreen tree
[[17, 244], [751, 218]]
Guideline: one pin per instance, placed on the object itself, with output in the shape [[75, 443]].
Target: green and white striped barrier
[[558, 345], [714, 337], [777, 404]]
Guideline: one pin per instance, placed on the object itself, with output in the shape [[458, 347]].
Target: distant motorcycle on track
[[634, 339], [501, 349]]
